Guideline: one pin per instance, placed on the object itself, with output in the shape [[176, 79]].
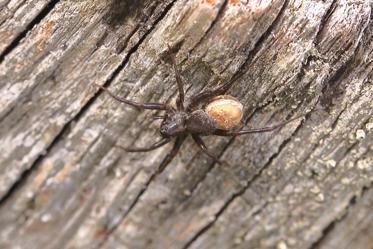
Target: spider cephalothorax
[[219, 116], [173, 124]]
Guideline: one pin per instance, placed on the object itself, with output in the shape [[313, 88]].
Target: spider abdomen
[[226, 110]]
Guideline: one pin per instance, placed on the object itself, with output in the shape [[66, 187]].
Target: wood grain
[[64, 184]]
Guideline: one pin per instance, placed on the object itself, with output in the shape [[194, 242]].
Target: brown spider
[[220, 115]]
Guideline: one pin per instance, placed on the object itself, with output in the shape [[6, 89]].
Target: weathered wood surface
[[64, 184]]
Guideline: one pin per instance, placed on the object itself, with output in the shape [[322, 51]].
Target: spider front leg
[[179, 81], [204, 149], [179, 141], [150, 106], [207, 95], [152, 147], [198, 140], [158, 117]]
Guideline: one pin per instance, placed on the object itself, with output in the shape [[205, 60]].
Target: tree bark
[[65, 184]]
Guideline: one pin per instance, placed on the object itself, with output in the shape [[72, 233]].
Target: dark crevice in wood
[[332, 224], [25, 174], [335, 122], [213, 23], [332, 89], [36, 163], [123, 44], [121, 10], [43, 13], [329, 91], [241, 191], [258, 46], [65, 129], [7, 113], [101, 40], [250, 54], [26, 98], [310, 58], [325, 19], [133, 204]]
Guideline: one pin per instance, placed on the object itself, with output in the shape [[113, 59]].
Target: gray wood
[[358, 219], [64, 184], [16, 17]]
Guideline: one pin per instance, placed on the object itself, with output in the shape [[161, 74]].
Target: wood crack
[[213, 23], [122, 45], [325, 19], [331, 225], [43, 13], [241, 191], [65, 129]]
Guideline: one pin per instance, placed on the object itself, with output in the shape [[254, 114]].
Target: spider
[[220, 115]]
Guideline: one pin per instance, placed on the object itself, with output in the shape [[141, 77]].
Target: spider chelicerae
[[219, 116]]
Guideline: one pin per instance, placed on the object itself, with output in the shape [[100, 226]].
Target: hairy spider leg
[[254, 130], [179, 141], [198, 140], [179, 81], [207, 95], [150, 106], [152, 147]]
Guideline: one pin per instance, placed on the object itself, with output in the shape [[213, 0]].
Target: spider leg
[[152, 147], [179, 81], [254, 130], [158, 117], [179, 141], [151, 106], [204, 149], [206, 95]]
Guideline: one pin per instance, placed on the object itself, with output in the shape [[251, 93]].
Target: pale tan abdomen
[[226, 110]]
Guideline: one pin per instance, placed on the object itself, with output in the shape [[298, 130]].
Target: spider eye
[[226, 110]]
